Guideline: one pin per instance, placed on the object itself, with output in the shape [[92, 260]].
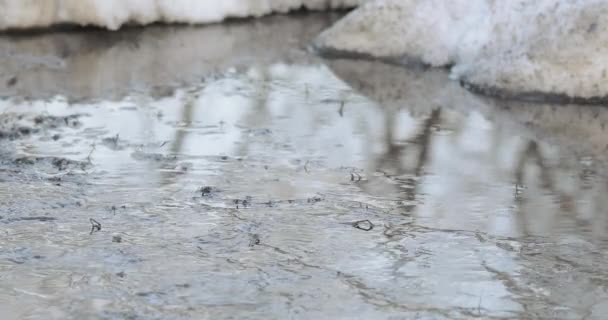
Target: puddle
[[277, 185]]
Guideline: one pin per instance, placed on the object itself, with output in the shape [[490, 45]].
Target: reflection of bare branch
[[532, 152], [180, 135], [422, 140], [259, 114]]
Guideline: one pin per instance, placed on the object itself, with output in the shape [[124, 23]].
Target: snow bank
[[112, 14], [521, 48], [431, 31]]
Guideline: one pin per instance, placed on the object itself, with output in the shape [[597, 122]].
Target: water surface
[[253, 180]]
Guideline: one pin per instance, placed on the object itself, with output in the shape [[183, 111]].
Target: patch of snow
[[556, 47], [431, 31], [112, 14]]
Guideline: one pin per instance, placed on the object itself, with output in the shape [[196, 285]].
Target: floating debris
[[314, 200], [116, 238], [254, 240], [95, 225], [245, 203], [205, 191], [364, 225], [112, 142]]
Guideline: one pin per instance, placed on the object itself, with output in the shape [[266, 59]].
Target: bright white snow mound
[[514, 48], [112, 14]]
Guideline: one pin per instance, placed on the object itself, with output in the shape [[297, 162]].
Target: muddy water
[[251, 180]]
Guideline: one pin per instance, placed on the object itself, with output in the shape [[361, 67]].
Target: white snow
[[112, 14], [510, 47], [515, 46]]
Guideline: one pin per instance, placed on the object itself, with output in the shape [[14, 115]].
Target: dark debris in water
[[19, 126], [112, 142], [355, 177], [156, 157], [259, 132], [208, 191], [39, 218], [248, 202], [21, 255], [314, 200], [254, 239], [364, 225], [58, 121], [58, 163], [15, 133], [243, 202], [114, 208], [95, 225]]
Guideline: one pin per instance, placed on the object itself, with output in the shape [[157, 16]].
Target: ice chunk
[[552, 47], [112, 14], [520, 48], [432, 31]]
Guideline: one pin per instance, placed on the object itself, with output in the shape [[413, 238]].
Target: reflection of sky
[[283, 114], [457, 171]]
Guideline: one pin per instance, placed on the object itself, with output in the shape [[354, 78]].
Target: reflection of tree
[[186, 118], [532, 153], [392, 157], [180, 136], [424, 138], [535, 258], [259, 114]]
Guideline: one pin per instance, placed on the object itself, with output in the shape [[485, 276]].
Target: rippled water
[[252, 180]]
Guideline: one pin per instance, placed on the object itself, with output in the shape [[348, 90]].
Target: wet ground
[[225, 172]]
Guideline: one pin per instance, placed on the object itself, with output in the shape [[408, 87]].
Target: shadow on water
[[244, 193]]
